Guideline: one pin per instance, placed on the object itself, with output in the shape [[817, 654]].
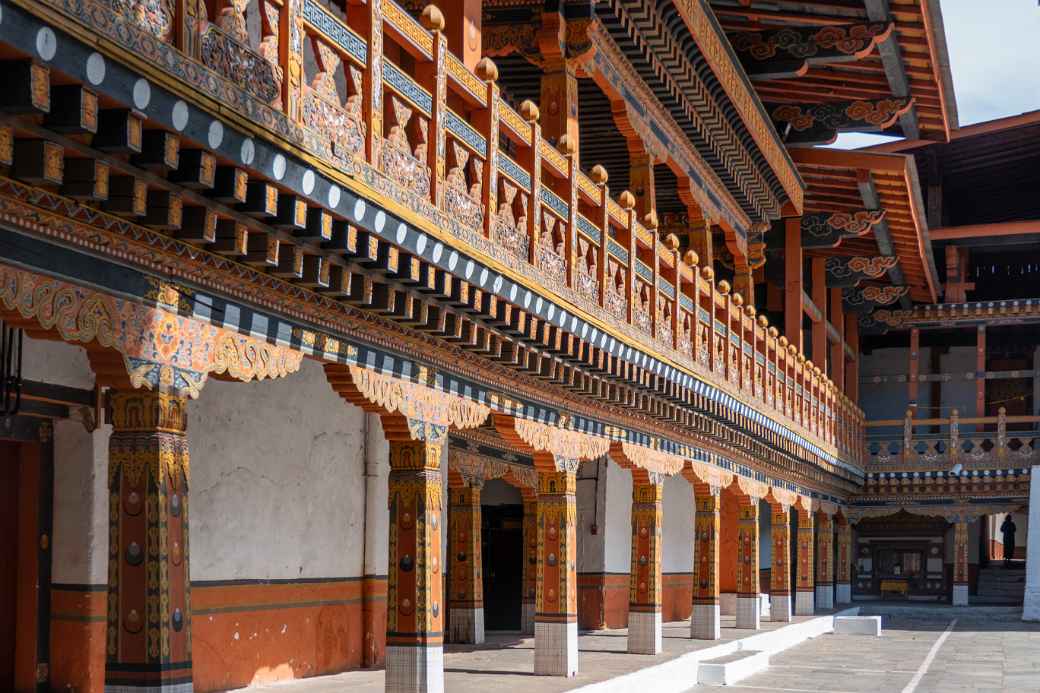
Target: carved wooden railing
[[990, 445], [374, 85]]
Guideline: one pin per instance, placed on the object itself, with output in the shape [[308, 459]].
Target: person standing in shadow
[[1008, 530]]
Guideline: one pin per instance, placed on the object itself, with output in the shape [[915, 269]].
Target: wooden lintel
[[1006, 228]]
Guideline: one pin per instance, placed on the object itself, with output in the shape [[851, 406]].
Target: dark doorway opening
[[502, 551]]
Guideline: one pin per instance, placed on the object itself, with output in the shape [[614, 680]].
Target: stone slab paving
[[983, 651], [505, 663]]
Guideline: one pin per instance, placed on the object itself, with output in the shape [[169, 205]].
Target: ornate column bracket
[[848, 272], [561, 443], [656, 462], [811, 124], [161, 349], [792, 50]]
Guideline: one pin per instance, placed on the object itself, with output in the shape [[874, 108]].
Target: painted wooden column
[[701, 240], [530, 563], [794, 309], [960, 562], [149, 588], [825, 561], [462, 20], [747, 564], [415, 615], [911, 380], [644, 591], [980, 371], [1031, 603], [805, 595], [819, 327], [704, 622], [843, 570], [466, 596], [852, 372], [837, 362], [780, 567], [556, 600]]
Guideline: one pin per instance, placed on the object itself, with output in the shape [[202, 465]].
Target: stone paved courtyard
[[922, 650], [985, 650]]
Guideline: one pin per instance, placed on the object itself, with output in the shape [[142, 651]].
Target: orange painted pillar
[[415, 612], [793, 306], [843, 569], [644, 591], [852, 373], [837, 362], [960, 562], [780, 567], [980, 371], [825, 561], [556, 599], [466, 596], [819, 327], [530, 565], [704, 622], [747, 565], [149, 588], [462, 28], [911, 381], [805, 597]]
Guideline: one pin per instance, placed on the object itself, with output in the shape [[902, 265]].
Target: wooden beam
[[911, 381], [1006, 228], [872, 200], [895, 69], [841, 158], [793, 306]]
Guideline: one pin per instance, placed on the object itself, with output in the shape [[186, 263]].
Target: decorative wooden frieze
[[809, 124], [848, 272], [790, 51], [870, 297], [828, 229]]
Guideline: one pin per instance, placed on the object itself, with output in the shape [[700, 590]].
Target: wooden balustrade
[[379, 85]]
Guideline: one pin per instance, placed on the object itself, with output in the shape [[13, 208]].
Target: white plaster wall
[[277, 487], [58, 363], [1021, 521], [591, 502], [80, 542], [377, 489], [889, 400], [617, 525], [498, 492], [677, 555], [959, 393]]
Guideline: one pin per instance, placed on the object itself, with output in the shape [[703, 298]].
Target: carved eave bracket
[[472, 468], [553, 447], [870, 297], [528, 30], [161, 348], [848, 272], [655, 462], [828, 229], [791, 51], [409, 409], [706, 477], [803, 125]]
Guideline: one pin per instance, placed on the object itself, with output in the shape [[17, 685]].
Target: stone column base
[[780, 608], [644, 632], [555, 649], [156, 688], [527, 618], [705, 622], [960, 595], [467, 626], [748, 612], [1031, 605], [804, 604], [844, 594], [728, 603], [414, 669], [824, 596]]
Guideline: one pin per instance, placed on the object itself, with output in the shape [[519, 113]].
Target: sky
[[994, 48]]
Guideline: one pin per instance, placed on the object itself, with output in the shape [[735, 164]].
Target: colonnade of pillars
[[149, 615]]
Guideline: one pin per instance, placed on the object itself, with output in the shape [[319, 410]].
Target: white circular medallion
[[359, 209], [380, 221], [216, 134], [469, 269], [247, 151], [453, 260], [142, 94], [179, 115], [402, 233], [512, 293], [334, 193], [46, 43], [420, 243], [438, 250], [551, 313], [278, 166], [497, 286], [483, 277], [308, 182], [96, 68]]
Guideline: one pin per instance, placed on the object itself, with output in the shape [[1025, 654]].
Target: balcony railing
[[369, 85], [991, 445]]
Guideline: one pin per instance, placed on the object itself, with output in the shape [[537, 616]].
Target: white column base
[[960, 595], [705, 622], [780, 608], [844, 594], [824, 596], [527, 618], [157, 688], [644, 632], [555, 649], [414, 669], [728, 603], [804, 603], [467, 626], [748, 613], [1031, 605]]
